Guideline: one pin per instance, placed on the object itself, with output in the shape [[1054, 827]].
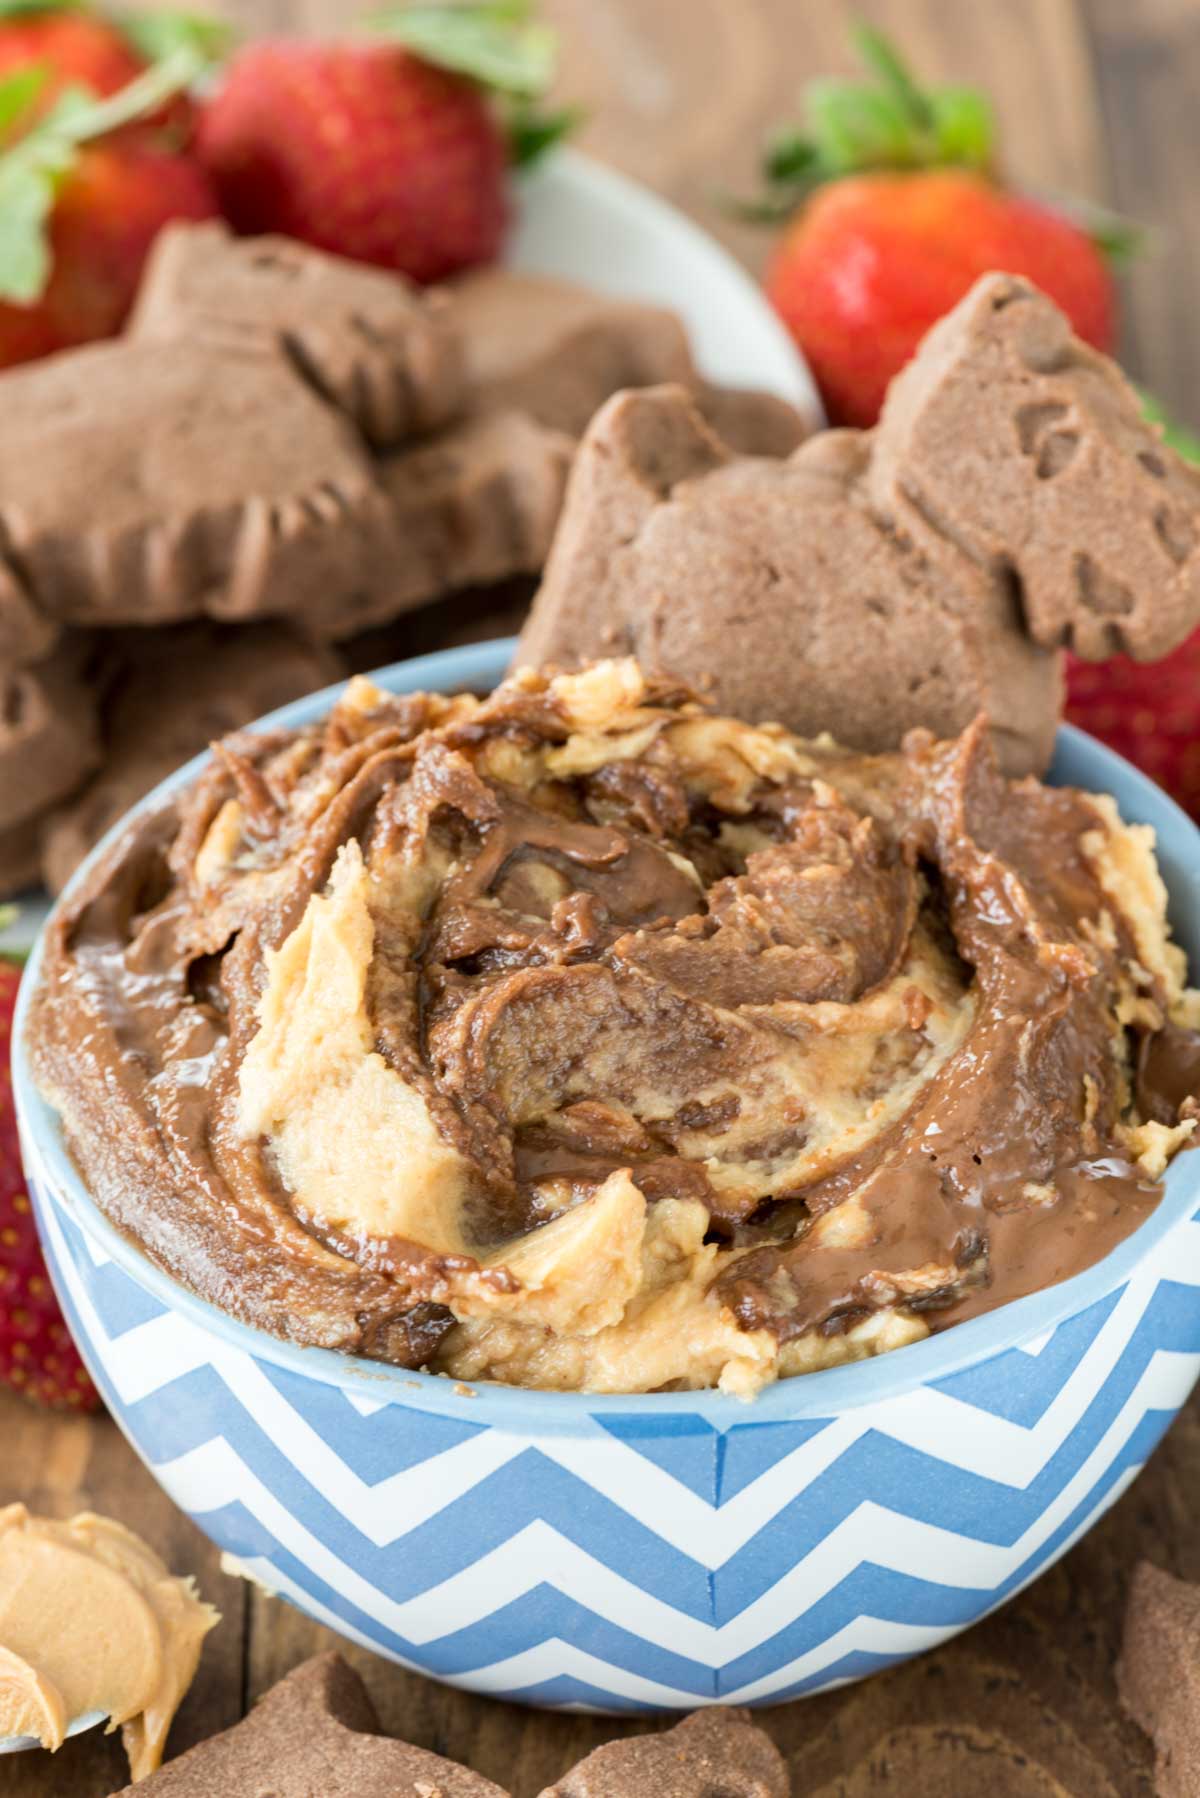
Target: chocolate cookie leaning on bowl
[[1011, 500]]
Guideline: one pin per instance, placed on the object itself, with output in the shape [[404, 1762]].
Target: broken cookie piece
[[316, 1732], [712, 1754], [170, 694], [147, 482], [1028, 450], [775, 588], [375, 347], [1158, 1675]]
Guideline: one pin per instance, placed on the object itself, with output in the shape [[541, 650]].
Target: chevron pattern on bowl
[[641, 1561], [661, 1551]]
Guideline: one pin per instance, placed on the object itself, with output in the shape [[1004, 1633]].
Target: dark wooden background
[[1096, 97]]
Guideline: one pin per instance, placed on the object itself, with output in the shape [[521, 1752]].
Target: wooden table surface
[[1095, 97]]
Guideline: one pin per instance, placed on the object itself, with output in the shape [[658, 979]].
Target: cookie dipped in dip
[[576, 1038]]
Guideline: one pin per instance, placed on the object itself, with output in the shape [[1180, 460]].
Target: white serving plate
[[580, 221]]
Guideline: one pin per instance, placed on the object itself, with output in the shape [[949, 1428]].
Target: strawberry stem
[[886, 122], [879, 54]]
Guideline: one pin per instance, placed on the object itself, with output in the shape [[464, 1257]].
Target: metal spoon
[[86, 1720]]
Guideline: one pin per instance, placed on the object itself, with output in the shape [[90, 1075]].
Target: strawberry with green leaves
[[394, 152], [74, 45], [894, 210], [37, 1355], [91, 167]]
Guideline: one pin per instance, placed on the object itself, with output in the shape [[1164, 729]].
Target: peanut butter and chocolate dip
[[574, 1037]]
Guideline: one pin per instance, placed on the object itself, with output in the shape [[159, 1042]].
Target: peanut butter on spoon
[[92, 1620]]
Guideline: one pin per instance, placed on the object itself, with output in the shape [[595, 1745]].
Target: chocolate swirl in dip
[[573, 1037]]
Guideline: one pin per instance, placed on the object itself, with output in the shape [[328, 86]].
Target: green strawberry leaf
[[1121, 240], [155, 35], [963, 126], [532, 132], [855, 128], [888, 121], [18, 91], [16, 9], [496, 42], [26, 201], [33, 167], [878, 54], [1182, 440], [790, 158]]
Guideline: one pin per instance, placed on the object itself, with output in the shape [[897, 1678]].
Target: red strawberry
[[393, 153], [1148, 711], [84, 191], [899, 214], [873, 260], [107, 214], [37, 1355], [362, 150], [71, 47]]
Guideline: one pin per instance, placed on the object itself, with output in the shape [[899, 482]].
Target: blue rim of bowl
[[530, 1412]]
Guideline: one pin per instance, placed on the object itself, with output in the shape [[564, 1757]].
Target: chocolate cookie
[[557, 351], [779, 590], [1027, 449], [48, 733], [750, 421], [1010, 501], [711, 1754], [1158, 1675], [316, 1732], [375, 347], [474, 505], [469, 616], [26, 634], [147, 482], [172, 693], [20, 857]]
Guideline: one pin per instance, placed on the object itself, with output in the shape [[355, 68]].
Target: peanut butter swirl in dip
[[575, 1038]]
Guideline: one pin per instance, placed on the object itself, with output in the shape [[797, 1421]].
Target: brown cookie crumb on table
[[716, 1753], [314, 1735], [1158, 1675]]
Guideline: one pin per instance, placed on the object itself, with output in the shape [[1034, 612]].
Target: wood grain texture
[[1094, 97]]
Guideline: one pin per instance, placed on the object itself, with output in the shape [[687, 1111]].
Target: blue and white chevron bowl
[[664, 1551]]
